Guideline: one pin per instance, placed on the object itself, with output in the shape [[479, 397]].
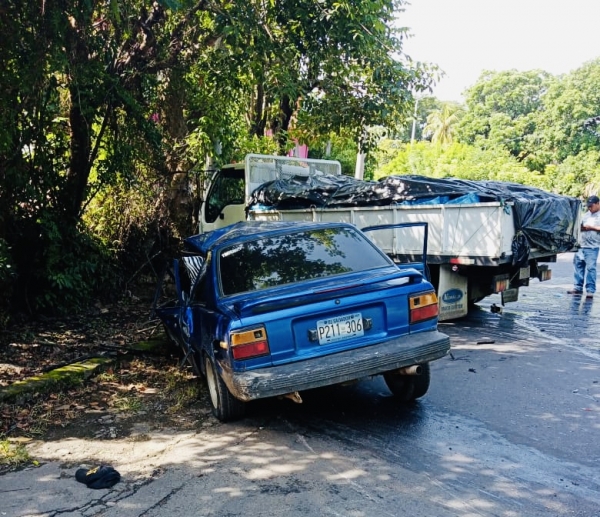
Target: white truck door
[[225, 202]]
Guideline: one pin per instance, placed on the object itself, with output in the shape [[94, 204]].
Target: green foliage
[[502, 111], [568, 105], [424, 107], [577, 176], [441, 123], [547, 123], [323, 66], [344, 149], [14, 455], [247, 143], [132, 225], [75, 269], [459, 161]]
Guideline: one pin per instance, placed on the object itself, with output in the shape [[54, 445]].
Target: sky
[[466, 37]]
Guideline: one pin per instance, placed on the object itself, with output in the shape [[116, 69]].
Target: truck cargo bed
[[480, 231]]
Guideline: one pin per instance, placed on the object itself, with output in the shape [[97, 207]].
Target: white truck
[[470, 246]]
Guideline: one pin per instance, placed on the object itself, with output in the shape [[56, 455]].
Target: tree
[[502, 110], [565, 126], [460, 160], [321, 67], [422, 107], [577, 176], [441, 123], [105, 99], [80, 80]]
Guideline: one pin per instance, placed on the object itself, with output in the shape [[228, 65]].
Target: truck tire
[[408, 388], [224, 405]]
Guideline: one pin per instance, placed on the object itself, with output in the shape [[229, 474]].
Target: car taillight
[[423, 307], [249, 343]]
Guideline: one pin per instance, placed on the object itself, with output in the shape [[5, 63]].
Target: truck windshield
[[295, 257], [227, 189]]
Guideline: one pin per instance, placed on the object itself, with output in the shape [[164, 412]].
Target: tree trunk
[[81, 117], [257, 117], [281, 124], [80, 166], [179, 198]]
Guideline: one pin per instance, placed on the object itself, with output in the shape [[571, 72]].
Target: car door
[[177, 304], [405, 243]]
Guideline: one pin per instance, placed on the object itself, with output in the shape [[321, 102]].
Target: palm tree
[[441, 123]]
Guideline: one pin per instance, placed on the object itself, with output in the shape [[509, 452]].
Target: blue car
[[266, 309]]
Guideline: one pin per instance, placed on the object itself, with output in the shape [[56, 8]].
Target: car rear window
[[295, 257]]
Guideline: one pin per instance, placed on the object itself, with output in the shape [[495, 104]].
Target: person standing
[[584, 261]]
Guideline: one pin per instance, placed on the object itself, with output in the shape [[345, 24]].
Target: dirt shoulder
[[136, 386]]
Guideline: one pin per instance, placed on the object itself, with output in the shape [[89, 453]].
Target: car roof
[[247, 230]]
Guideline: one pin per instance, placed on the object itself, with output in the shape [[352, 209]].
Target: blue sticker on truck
[[452, 296]]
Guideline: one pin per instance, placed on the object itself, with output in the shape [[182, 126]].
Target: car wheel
[[409, 387], [224, 405]]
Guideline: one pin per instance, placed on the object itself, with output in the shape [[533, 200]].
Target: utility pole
[[414, 122], [359, 170]]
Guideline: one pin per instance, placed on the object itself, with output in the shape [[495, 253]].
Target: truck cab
[[231, 186]]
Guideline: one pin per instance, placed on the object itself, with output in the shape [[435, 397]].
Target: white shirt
[[590, 238]]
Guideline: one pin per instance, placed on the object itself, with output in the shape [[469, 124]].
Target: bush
[[74, 269]]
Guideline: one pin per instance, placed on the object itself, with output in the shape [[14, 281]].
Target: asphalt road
[[510, 427]]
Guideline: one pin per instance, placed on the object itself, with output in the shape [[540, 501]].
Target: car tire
[[408, 388], [224, 405]]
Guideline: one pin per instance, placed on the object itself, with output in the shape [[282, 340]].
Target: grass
[[108, 376], [14, 455], [128, 403]]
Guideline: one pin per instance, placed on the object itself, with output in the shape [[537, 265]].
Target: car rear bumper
[[337, 368]]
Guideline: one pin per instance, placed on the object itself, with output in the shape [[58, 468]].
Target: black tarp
[[547, 220]]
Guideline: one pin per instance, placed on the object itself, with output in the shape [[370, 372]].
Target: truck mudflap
[[338, 368], [452, 294], [510, 295]]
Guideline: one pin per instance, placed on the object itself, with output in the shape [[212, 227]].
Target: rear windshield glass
[[294, 257]]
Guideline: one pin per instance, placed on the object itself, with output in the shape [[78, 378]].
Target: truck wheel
[[409, 387], [224, 405]]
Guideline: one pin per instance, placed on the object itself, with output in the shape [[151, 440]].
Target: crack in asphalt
[[163, 500]]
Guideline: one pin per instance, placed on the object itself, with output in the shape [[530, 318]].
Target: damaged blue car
[[273, 309]]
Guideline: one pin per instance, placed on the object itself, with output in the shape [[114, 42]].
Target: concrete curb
[[70, 375]]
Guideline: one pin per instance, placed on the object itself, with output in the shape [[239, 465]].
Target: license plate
[[340, 327]]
